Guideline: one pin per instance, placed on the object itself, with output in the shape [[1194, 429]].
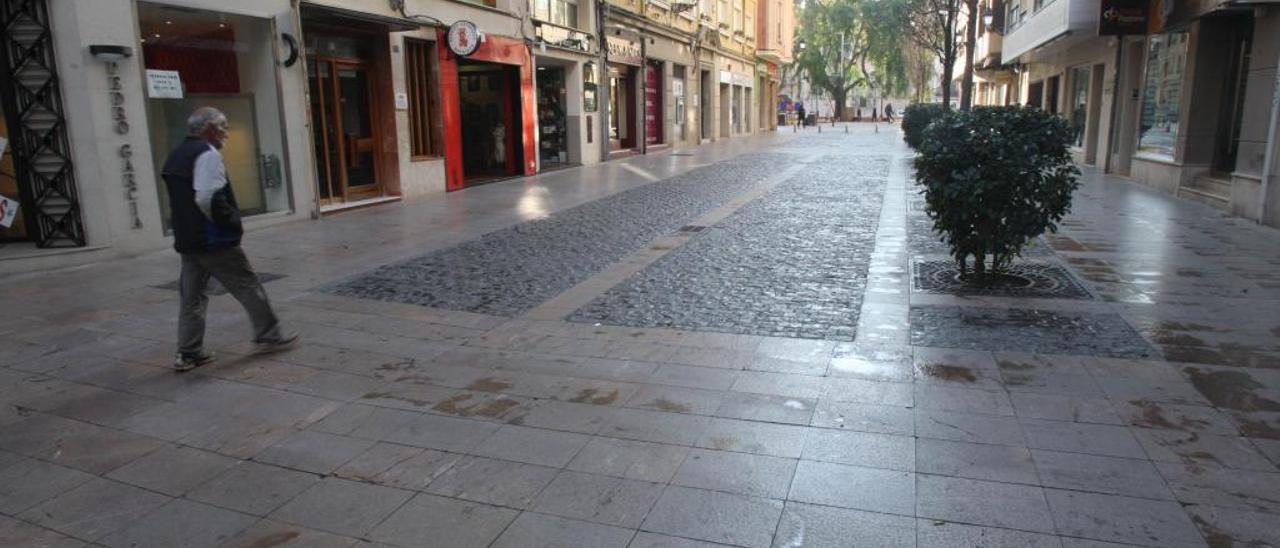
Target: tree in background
[[933, 25], [920, 72], [853, 44]]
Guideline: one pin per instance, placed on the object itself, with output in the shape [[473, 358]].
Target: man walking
[[206, 232]]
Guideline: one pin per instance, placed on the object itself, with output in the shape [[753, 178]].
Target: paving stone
[[755, 475], [1178, 446], [532, 445], [445, 521], [778, 440], [181, 523], [980, 502], [492, 481], [418, 471], [780, 384], [963, 400], [715, 517], [94, 509], [1094, 439], [273, 533], [30, 482], [861, 449], [810, 525], [766, 408], [253, 488], [881, 419], [1116, 476], [1112, 518], [656, 426], [654, 540], [583, 418], [897, 394], [173, 470], [675, 399], [943, 425], [315, 452], [693, 377], [975, 461], [854, 487], [1026, 330], [543, 531], [598, 499], [443, 433], [943, 534], [652, 462], [342, 507], [1065, 408], [746, 276], [1230, 527], [1238, 489], [20, 533], [377, 460], [512, 270]]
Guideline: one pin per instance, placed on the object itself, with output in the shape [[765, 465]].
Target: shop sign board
[[8, 211], [464, 38], [1122, 17], [164, 84], [553, 35], [624, 51]]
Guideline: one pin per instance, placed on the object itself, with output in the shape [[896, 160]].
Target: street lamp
[[988, 17], [800, 92]]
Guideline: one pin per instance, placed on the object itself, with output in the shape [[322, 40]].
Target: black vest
[[192, 231]]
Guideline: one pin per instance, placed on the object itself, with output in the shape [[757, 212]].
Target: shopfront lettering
[[119, 118], [130, 184], [625, 51]]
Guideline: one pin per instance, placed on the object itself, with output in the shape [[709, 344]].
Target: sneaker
[[187, 362], [286, 342]]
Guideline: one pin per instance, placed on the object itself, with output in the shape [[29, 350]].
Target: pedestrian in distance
[[206, 233], [888, 112], [800, 119]]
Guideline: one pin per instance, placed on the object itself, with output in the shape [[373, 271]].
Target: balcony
[[1054, 21]]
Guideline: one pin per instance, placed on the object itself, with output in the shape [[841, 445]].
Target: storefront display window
[[1079, 103], [553, 137], [1162, 94], [197, 58]]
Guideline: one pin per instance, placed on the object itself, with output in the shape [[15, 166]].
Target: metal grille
[[37, 128]]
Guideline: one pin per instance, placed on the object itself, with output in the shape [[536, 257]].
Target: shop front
[[565, 83], [624, 68], [487, 105]]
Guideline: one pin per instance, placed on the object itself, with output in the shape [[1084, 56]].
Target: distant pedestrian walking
[[206, 232], [800, 119], [888, 112]]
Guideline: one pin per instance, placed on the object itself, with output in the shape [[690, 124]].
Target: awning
[[314, 12]]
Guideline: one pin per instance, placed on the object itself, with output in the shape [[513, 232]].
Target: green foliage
[[916, 117], [995, 178], [853, 44]]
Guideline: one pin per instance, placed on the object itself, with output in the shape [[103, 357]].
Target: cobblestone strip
[[791, 264], [510, 271]]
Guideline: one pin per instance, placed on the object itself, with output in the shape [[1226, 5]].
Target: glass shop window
[[1162, 93], [196, 58]]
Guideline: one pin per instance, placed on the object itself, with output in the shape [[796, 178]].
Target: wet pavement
[[702, 350]]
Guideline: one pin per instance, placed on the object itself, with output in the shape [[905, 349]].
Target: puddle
[[668, 405], [949, 372], [1231, 390], [1257, 428], [1214, 536], [489, 384], [491, 408], [593, 397]]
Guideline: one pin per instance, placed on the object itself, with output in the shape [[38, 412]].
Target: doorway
[[653, 121], [726, 109], [17, 229], [1227, 138], [622, 107], [344, 115], [489, 98], [1051, 94], [1035, 94], [553, 126]]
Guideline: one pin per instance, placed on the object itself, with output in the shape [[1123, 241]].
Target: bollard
[[846, 128], [819, 128]]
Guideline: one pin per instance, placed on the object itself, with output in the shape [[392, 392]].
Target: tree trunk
[[971, 38], [839, 97], [949, 54]]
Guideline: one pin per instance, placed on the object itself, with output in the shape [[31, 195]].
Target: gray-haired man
[[206, 232]]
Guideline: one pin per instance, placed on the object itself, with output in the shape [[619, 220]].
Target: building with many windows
[[340, 104]]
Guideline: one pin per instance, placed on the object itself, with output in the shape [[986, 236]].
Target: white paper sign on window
[[402, 101], [8, 211], [164, 84]]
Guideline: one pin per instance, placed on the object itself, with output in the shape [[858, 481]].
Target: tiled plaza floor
[[1130, 398]]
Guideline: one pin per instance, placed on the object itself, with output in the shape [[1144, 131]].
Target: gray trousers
[[231, 268]]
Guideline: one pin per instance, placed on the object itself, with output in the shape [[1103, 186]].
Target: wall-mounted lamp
[[110, 53], [988, 17]]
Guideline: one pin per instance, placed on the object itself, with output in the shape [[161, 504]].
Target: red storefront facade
[[520, 155]]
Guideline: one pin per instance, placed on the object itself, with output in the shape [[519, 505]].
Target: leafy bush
[[916, 117], [995, 178]]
